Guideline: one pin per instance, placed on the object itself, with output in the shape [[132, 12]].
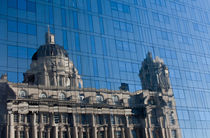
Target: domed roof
[[50, 50]]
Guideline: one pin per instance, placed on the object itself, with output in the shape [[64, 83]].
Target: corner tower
[[51, 66]]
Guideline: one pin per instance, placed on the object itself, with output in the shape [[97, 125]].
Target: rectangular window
[[22, 27], [95, 67], [173, 133], [28, 118], [90, 20], [103, 41], [12, 26], [92, 40], [31, 6], [22, 134], [45, 118], [44, 134], [77, 43], [118, 134], [63, 16], [12, 51], [51, 17], [12, 3], [101, 25], [22, 118], [22, 4], [75, 20], [65, 134], [99, 6], [31, 29], [112, 119], [64, 118], [16, 118], [88, 5], [65, 41], [56, 118]]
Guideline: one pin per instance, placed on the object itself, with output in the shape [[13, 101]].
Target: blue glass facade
[[108, 39]]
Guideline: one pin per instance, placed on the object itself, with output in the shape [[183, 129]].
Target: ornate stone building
[[52, 103]]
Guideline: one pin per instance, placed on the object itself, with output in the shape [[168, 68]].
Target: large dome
[[50, 50]]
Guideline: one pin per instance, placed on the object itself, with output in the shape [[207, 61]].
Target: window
[[65, 134], [15, 117], [22, 94], [12, 26], [31, 29], [64, 118], [99, 98], [43, 95], [99, 119], [22, 118], [12, 3], [172, 121], [31, 6], [81, 97], [45, 118], [134, 134], [22, 4], [115, 99], [44, 134], [118, 134], [173, 133], [62, 96], [56, 118], [112, 119], [22, 134]]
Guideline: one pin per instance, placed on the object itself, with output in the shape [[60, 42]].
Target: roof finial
[[49, 38], [48, 26]]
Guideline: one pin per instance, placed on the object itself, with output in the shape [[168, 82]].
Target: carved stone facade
[[51, 102]]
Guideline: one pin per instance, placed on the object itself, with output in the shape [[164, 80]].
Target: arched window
[[62, 96], [99, 98], [81, 97], [22, 94], [43, 95], [115, 99]]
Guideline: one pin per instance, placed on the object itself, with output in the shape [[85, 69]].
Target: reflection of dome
[[51, 66], [50, 50]]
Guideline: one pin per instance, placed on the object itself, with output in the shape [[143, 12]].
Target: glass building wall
[[108, 39]]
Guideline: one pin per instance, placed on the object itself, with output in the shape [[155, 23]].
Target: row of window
[[62, 96], [123, 26], [21, 27], [26, 5], [84, 119], [120, 7]]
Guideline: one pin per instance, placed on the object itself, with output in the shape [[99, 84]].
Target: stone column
[[123, 132], [55, 135], [105, 132], [34, 126], [27, 132], [75, 129], [88, 132], [128, 129], [69, 132], [11, 126], [80, 132], [48, 133], [94, 129]]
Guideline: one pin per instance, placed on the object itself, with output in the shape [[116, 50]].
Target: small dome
[[50, 50]]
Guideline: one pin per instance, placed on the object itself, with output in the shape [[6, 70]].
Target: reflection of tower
[[161, 118], [154, 74], [51, 66]]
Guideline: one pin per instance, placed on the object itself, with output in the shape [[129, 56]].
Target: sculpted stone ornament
[[154, 74]]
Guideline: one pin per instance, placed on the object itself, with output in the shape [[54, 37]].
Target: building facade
[[52, 103], [108, 39]]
